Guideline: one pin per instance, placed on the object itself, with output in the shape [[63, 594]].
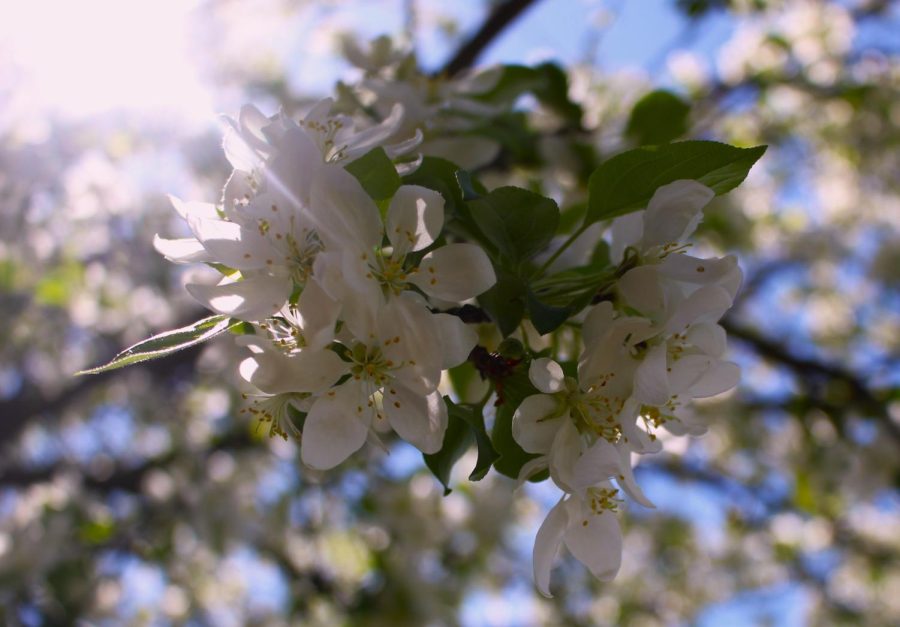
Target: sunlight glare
[[94, 56]]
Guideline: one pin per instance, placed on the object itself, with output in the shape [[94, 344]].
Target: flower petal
[[686, 371], [346, 218], [254, 298], [304, 371], [336, 426], [595, 540], [688, 269], [651, 381], [186, 250], [534, 425], [641, 289], [597, 323], [546, 375], [420, 420], [295, 166], [457, 339], [598, 463], [408, 335], [626, 479], [720, 377], [546, 545], [316, 314], [707, 304], [234, 245], [564, 452], [455, 272], [530, 469], [709, 337], [674, 212], [415, 218], [361, 142], [626, 231], [191, 209]]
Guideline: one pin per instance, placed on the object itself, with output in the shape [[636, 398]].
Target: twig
[[496, 22]]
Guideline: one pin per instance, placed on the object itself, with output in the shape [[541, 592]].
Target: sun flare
[[95, 56]]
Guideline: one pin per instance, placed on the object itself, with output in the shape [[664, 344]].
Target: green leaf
[[377, 174], [457, 440], [546, 318], [505, 301], [515, 389], [486, 453], [571, 217], [439, 175], [466, 382], [168, 343], [471, 188], [553, 91], [514, 81], [600, 255], [658, 118], [548, 82], [514, 132], [520, 223], [626, 182]]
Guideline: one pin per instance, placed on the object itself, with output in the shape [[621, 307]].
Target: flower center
[[595, 411], [603, 500], [389, 271], [324, 135], [370, 364], [275, 410]]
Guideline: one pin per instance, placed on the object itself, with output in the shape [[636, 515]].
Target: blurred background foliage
[[143, 496]]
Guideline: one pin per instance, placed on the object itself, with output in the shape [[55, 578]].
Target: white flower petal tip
[[186, 250], [534, 425], [455, 272], [249, 300], [546, 375], [336, 426], [674, 212], [546, 546], [415, 218]]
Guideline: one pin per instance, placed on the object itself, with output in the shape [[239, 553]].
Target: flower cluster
[[647, 352], [352, 257], [341, 298]]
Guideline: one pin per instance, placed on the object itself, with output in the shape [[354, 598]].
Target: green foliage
[[168, 343], [545, 317], [519, 223], [515, 388], [547, 82], [465, 424], [471, 188], [378, 176], [440, 175], [505, 301], [486, 453], [626, 182], [57, 286], [658, 118]]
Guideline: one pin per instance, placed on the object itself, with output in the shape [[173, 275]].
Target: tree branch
[[814, 374], [501, 17]]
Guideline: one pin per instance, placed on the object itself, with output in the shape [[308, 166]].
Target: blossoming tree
[[353, 248], [518, 277]]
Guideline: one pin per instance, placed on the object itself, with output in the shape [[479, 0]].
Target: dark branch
[[815, 375], [499, 19]]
